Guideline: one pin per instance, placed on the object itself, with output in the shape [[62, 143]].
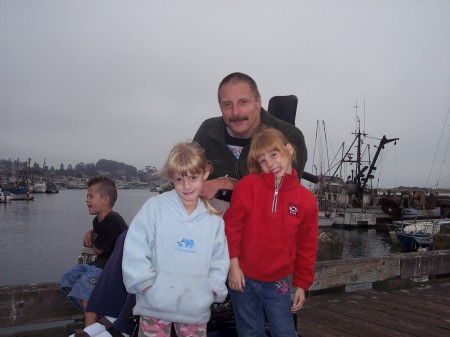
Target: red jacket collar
[[289, 180]]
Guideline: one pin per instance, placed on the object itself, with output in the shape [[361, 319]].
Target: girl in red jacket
[[272, 230]]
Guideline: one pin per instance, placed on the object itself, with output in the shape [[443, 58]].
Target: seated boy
[[79, 281], [111, 301]]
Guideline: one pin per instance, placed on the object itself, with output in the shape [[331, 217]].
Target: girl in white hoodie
[[175, 256]]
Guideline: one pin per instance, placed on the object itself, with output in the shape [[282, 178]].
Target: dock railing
[[41, 303]]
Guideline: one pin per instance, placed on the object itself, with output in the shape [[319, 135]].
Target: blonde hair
[[265, 140], [188, 158]]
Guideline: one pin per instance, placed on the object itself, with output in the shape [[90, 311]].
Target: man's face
[[240, 109]]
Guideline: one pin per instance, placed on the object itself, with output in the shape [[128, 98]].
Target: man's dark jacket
[[211, 137]]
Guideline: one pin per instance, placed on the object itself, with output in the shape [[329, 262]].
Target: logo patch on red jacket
[[293, 209]]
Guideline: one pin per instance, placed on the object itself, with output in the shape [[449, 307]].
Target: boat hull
[[413, 241], [39, 187], [351, 219]]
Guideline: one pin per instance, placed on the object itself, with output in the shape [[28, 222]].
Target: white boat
[[355, 219], [430, 226], [411, 235], [4, 197], [39, 186]]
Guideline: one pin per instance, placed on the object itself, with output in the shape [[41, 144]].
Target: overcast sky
[[126, 80]]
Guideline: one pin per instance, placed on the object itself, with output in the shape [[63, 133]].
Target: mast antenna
[[364, 122], [356, 112]]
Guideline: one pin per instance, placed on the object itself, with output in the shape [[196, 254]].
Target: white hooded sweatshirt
[[181, 258]]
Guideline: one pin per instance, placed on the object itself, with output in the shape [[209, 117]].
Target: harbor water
[[43, 238]]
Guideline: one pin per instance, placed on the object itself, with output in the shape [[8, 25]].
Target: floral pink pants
[[154, 327]]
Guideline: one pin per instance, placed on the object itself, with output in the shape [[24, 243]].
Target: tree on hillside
[[116, 169], [70, 171]]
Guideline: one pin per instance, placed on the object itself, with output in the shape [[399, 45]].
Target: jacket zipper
[[275, 195]]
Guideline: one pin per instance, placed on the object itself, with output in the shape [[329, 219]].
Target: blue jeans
[[79, 282], [271, 298]]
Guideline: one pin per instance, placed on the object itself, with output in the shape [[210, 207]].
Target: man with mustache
[[226, 139]]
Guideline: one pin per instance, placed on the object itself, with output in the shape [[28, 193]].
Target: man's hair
[[106, 187], [239, 77], [265, 140]]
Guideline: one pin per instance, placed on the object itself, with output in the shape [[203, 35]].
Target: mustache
[[238, 119]]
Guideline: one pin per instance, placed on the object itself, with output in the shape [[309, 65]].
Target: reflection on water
[[364, 242], [41, 239]]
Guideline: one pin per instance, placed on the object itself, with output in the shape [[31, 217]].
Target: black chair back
[[284, 107]]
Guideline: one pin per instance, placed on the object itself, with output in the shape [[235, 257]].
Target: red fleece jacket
[[273, 235]]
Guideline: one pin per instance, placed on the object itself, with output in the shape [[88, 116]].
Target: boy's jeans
[[79, 282], [274, 297]]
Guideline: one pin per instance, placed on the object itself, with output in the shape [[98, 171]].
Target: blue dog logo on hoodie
[[186, 245]]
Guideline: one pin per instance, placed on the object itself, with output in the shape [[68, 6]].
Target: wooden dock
[[396, 305], [423, 310]]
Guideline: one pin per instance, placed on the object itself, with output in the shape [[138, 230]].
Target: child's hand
[[299, 299], [87, 241], [236, 278]]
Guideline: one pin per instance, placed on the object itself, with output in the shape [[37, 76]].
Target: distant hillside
[[118, 170]]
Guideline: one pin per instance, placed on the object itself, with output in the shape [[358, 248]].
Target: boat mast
[[359, 178], [359, 173], [437, 148], [372, 168]]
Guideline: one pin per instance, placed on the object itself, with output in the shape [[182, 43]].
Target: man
[[226, 139]]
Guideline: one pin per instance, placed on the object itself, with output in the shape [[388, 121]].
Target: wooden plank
[[346, 272], [425, 264], [411, 312], [38, 303], [354, 316], [432, 292], [336, 273], [343, 322], [316, 327], [427, 314], [388, 315], [407, 300]]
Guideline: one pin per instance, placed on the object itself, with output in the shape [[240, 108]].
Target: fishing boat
[[15, 189], [354, 199], [411, 204], [39, 186], [19, 182], [425, 203], [51, 188]]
